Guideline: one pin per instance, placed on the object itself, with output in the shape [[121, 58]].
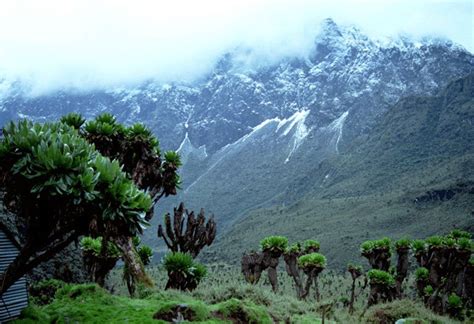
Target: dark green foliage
[[422, 273], [146, 253], [403, 243], [94, 245], [183, 272], [52, 164], [434, 241], [418, 246], [274, 243], [74, 120], [294, 248], [312, 260], [381, 277], [382, 244], [311, 245], [465, 244], [457, 234], [177, 262], [428, 291], [44, 291]]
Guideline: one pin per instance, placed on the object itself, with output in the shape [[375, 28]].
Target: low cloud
[[88, 44]]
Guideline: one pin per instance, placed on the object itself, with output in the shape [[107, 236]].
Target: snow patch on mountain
[[336, 126], [186, 148]]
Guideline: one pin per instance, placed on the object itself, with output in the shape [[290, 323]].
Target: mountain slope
[[258, 134], [412, 175]]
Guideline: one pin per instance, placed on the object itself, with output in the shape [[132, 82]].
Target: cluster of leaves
[[382, 244], [403, 243], [144, 251], [311, 245], [274, 243], [380, 277], [422, 273], [294, 248], [94, 246], [131, 146], [52, 161], [455, 239], [43, 292], [312, 260], [183, 264]]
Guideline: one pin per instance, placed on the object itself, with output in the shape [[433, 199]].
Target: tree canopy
[[63, 180]]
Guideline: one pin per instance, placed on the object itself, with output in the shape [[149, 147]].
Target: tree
[[255, 262], [191, 238], [61, 188], [138, 151]]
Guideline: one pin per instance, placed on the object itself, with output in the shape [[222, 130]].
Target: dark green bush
[[274, 243], [44, 291], [380, 277], [315, 260], [422, 273]]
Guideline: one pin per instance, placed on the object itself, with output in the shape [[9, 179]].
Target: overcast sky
[[101, 43]]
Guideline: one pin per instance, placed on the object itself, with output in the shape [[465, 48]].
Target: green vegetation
[[274, 243], [311, 246], [312, 260], [183, 272], [94, 245], [222, 292], [403, 243], [418, 246], [369, 246], [380, 277], [422, 273]]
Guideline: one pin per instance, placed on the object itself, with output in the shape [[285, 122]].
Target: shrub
[[274, 243], [311, 245], [465, 244], [449, 242], [381, 277], [368, 246], [178, 262], [434, 241], [428, 291], [422, 273], [146, 253], [94, 246], [312, 260], [454, 301], [74, 120], [294, 248], [418, 246], [403, 243], [44, 291], [457, 234], [183, 272]]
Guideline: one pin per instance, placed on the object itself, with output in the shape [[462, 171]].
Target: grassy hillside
[[412, 175], [223, 297]]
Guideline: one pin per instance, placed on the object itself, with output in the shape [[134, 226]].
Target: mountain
[[413, 175], [256, 135]]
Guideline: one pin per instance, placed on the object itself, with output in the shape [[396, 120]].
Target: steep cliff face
[[256, 135]]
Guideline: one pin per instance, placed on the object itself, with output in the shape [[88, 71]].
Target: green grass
[[222, 296]]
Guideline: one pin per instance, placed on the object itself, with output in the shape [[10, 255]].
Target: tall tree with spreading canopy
[[55, 178]]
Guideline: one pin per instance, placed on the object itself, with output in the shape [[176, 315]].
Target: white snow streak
[[337, 126]]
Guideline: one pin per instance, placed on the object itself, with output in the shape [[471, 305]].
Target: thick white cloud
[[100, 43]]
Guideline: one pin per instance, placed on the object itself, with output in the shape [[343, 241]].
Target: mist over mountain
[[257, 136]]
